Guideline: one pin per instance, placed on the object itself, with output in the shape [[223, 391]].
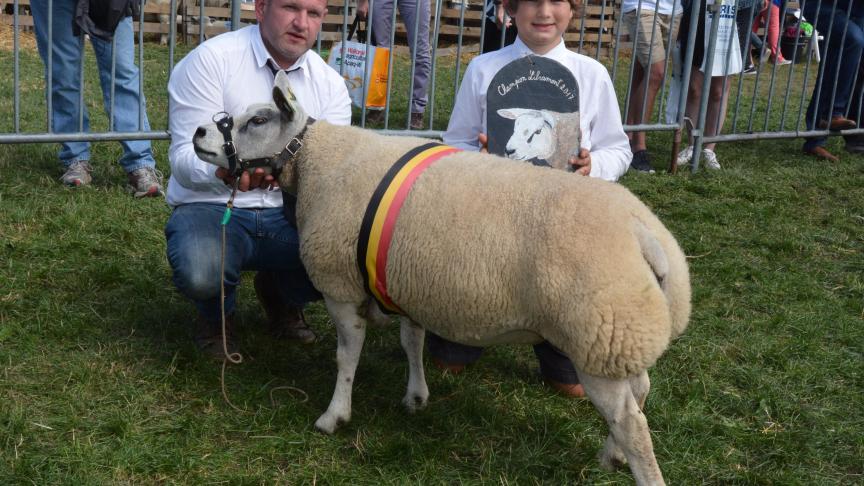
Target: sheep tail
[[653, 253]]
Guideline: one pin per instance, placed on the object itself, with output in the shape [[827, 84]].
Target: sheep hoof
[[612, 460], [414, 403], [328, 423]]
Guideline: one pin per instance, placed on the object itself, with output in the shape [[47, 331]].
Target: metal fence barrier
[[454, 28]]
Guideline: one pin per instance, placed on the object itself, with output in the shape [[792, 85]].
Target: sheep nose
[[201, 132], [508, 152]]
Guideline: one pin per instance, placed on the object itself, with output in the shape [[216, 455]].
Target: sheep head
[[261, 132], [533, 134]]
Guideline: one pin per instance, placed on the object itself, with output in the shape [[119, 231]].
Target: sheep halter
[[379, 221]]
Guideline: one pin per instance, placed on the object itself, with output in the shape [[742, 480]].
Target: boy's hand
[[484, 143], [581, 163]]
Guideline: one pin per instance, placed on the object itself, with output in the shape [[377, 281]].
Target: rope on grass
[[291, 390]]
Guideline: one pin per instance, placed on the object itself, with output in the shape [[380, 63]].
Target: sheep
[[542, 134], [485, 250]]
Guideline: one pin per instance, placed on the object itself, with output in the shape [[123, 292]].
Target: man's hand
[[362, 9], [258, 179], [484, 143], [581, 163]]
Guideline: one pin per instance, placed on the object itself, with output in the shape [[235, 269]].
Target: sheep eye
[[258, 120], [538, 131]]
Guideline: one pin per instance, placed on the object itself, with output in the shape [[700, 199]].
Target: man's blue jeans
[[554, 364], [841, 56], [256, 239], [67, 52]]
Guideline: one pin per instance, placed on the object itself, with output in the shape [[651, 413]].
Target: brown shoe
[[286, 321], [453, 369], [837, 123], [417, 121], [208, 337], [570, 390], [821, 153]]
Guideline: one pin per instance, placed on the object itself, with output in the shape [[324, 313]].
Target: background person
[[67, 51], [418, 42], [650, 24], [229, 73], [842, 24], [605, 151]]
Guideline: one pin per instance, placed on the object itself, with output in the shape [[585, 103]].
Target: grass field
[[100, 383]]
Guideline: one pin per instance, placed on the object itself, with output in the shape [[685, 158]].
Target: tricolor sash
[[381, 214]]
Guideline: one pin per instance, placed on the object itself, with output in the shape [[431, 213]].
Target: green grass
[[100, 383]]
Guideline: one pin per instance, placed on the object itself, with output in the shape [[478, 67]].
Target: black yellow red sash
[[381, 214]]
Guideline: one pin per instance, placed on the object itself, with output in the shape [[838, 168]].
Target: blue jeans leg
[[136, 153], [554, 364], [449, 352], [256, 240], [66, 51]]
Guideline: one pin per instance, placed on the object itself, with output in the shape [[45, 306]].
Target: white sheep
[[542, 134], [485, 250]]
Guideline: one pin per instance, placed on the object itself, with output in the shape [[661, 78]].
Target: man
[[418, 42], [842, 24], [229, 73], [651, 23], [66, 48]]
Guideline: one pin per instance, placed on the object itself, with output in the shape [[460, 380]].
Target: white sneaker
[[685, 156], [710, 159]]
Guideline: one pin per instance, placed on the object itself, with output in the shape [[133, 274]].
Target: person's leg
[[718, 101], [419, 44], [66, 53], [137, 154], [774, 32], [277, 251], [558, 370], [194, 242], [450, 355], [382, 17]]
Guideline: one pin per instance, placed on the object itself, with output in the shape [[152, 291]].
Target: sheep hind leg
[[612, 457], [411, 336], [628, 428], [350, 332]]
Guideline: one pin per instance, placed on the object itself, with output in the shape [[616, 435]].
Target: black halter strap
[[236, 165]]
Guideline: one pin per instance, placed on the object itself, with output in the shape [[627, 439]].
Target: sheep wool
[[488, 250]]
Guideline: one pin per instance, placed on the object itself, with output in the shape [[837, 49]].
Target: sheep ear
[[283, 96], [513, 113]]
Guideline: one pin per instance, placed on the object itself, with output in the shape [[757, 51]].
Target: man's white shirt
[[230, 73], [600, 118]]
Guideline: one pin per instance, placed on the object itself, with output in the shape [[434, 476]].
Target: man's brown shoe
[[821, 153], [837, 123], [286, 321], [453, 369], [570, 390], [208, 337]]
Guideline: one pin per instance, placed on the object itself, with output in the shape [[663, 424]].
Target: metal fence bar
[[761, 115]]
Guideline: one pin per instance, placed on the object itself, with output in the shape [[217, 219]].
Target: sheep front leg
[[615, 401], [350, 332], [411, 336]]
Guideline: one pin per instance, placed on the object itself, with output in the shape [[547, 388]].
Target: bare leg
[[411, 336], [615, 401], [351, 331]]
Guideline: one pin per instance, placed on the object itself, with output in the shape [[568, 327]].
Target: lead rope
[[234, 358]]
